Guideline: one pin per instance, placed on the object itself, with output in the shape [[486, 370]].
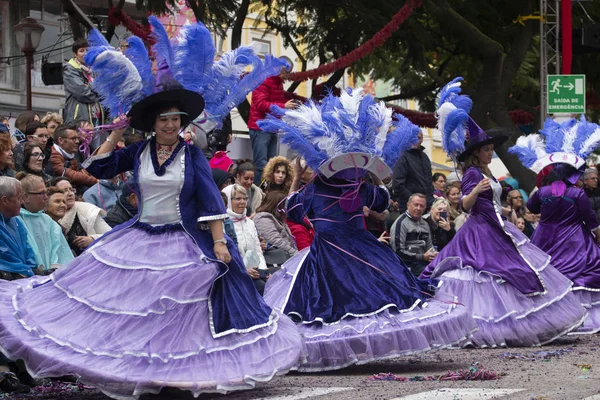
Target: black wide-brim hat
[[478, 139], [187, 101]]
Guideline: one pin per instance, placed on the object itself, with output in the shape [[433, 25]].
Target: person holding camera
[[442, 230]]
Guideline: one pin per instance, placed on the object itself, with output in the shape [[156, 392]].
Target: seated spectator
[[520, 224], [590, 185], [221, 160], [452, 194], [514, 200], [6, 156], [44, 235], [125, 208], [530, 222], [34, 156], [52, 121], [439, 185], [228, 227], [247, 237], [4, 129], [277, 175], [36, 133], [271, 223], [105, 193], [244, 176], [56, 206], [17, 259], [442, 230], [64, 158], [222, 179], [21, 124], [82, 222], [304, 232], [411, 236]]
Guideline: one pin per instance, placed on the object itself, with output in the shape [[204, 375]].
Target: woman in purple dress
[[568, 230], [162, 300], [514, 294], [351, 297]]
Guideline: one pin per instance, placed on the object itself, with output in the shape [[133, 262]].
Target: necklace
[[163, 152]]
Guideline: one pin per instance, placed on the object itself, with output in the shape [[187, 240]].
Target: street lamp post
[[28, 34]]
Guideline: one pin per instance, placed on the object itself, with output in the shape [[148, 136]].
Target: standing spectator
[[125, 208], [6, 156], [105, 193], [412, 174], [277, 175], [303, 230], [56, 206], [43, 234], [411, 236], [64, 161], [21, 124], [270, 223], [36, 133], [82, 222], [17, 259], [590, 185], [33, 161], [439, 185], [82, 102], [269, 93], [442, 230]]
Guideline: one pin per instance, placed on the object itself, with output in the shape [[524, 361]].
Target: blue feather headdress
[[353, 129], [453, 114], [187, 62], [570, 142]]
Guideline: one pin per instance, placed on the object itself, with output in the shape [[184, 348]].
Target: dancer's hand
[[222, 252], [384, 238], [483, 185]]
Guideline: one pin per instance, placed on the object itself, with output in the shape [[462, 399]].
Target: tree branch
[[110, 31], [238, 24], [517, 53], [75, 13], [453, 22]]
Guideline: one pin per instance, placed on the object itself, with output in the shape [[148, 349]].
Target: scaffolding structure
[[549, 49]]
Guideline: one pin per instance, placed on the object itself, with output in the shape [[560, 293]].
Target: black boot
[[11, 384]]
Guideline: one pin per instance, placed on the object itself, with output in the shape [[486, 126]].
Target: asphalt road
[[568, 369]]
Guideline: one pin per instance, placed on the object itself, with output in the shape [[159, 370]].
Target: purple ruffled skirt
[[385, 333], [131, 316], [590, 299], [505, 316]]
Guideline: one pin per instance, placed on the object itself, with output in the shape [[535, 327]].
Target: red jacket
[[302, 233], [269, 93]]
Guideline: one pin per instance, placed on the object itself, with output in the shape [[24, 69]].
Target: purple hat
[[477, 139]]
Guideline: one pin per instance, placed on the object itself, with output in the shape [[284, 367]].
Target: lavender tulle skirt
[[131, 316], [590, 299], [505, 316], [385, 333]]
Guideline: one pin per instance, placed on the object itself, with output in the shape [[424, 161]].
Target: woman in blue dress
[[351, 297]]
